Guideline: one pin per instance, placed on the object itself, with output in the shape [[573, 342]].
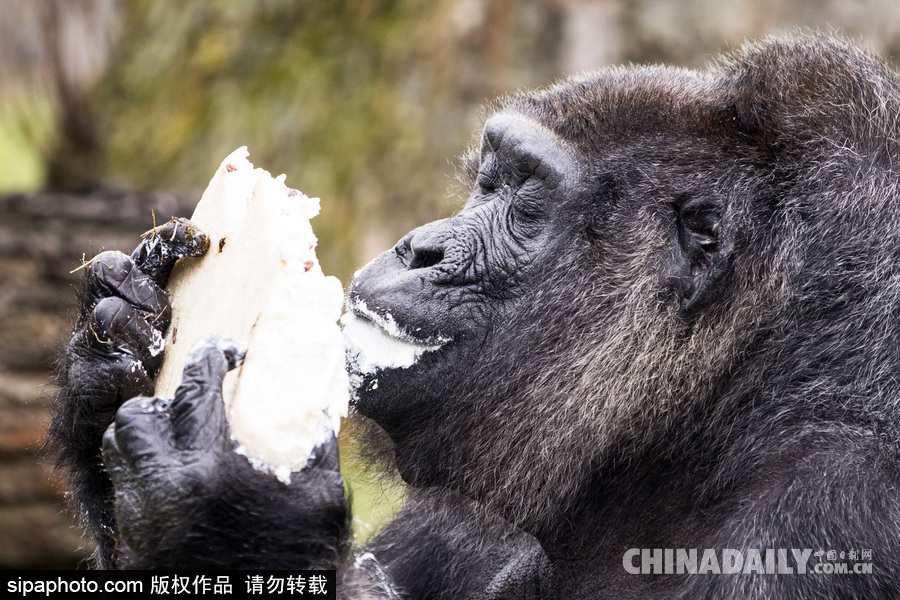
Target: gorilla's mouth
[[375, 342]]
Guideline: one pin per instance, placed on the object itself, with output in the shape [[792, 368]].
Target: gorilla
[[665, 324]]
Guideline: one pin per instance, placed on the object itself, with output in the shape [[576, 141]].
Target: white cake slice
[[261, 283]]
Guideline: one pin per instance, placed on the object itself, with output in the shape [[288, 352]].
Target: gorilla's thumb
[[198, 412]]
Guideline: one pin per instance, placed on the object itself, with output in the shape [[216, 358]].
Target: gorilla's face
[[572, 301], [423, 311]]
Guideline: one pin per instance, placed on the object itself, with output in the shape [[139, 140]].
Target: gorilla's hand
[[118, 342], [185, 498], [113, 355]]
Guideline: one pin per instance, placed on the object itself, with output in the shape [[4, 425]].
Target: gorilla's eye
[[529, 202], [488, 180]]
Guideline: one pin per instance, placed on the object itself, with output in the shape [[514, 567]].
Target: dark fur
[[611, 399]]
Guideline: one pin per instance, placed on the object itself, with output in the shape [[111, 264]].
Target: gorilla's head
[[644, 256]]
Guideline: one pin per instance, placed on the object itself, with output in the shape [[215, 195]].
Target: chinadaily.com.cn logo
[[768, 561]]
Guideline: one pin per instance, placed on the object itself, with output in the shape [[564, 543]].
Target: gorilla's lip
[[373, 346], [389, 326]]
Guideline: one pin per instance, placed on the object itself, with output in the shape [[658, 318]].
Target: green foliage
[[21, 165], [316, 90], [24, 133]]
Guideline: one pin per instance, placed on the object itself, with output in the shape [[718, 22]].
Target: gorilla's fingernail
[[155, 405], [163, 245], [235, 352]]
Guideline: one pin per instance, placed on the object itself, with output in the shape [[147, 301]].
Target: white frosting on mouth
[[372, 347]]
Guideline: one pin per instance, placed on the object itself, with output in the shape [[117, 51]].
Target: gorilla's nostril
[[426, 257], [425, 246]]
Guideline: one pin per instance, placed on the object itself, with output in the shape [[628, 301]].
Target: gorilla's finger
[[198, 412], [163, 245], [113, 273], [140, 431], [326, 456], [135, 380], [115, 324]]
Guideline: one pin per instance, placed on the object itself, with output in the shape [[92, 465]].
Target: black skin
[[667, 318]]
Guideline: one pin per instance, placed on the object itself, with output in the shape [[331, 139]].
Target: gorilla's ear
[[759, 125], [701, 259], [788, 90]]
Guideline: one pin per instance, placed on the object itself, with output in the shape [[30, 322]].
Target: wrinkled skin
[[476, 265], [664, 319]]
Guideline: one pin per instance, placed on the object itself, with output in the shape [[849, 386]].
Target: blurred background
[[111, 112]]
